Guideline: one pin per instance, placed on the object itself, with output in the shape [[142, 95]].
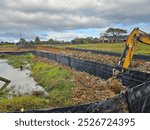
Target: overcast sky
[[67, 19]]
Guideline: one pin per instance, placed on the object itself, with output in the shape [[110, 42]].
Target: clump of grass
[[56, 80], [48, 75], [18, 61], [3, 93], [25, 102], [62, 93]]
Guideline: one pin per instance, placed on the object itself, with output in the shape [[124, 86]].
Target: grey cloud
[[59, 15]]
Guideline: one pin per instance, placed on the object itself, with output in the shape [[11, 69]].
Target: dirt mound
[[91, 88], [115, 85], [107, 59]]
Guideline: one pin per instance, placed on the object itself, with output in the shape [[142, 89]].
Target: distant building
[[112, 39]]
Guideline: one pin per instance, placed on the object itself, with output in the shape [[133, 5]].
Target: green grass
[[3, 94], [18, 61], [25, 102], [8, 45], [56, 80], [112, 47]]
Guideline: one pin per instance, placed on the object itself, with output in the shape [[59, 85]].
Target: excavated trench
[[134, 99]]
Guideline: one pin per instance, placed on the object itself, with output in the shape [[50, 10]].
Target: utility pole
[[20, 39]]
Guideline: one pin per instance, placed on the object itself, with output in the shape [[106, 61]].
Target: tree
[[115, 32], [95, 40], [37, 40], [1, 43], [22, 41], [78, 40], [51, 41]]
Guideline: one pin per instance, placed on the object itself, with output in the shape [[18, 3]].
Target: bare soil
[[89, 88]]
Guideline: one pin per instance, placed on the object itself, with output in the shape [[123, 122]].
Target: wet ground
[[21, 82]]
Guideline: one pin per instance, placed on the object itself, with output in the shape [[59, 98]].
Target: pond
[[21, 82]]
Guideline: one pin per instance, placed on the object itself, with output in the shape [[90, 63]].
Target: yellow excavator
[[130, 46]]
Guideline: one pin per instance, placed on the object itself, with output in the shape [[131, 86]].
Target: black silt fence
[[141, 57], [138, 83], [82, 65], [139, 98], [134, 78], [45, 54], [63, 60], [116, 104], [130, 78], [97, 69]]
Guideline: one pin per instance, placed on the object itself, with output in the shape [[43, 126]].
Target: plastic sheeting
[[139, 98]]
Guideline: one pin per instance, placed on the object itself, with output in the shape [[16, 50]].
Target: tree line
[[76, 40], [114, 32]]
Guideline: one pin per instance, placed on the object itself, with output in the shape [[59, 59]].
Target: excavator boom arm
[[130, 46], [144, 37]]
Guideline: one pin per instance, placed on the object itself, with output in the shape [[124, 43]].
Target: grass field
[[113, 47], [7, 45]]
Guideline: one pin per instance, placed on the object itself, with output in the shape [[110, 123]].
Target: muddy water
[[21, 82]]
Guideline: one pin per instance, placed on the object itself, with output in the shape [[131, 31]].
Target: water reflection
[[21, 82]]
